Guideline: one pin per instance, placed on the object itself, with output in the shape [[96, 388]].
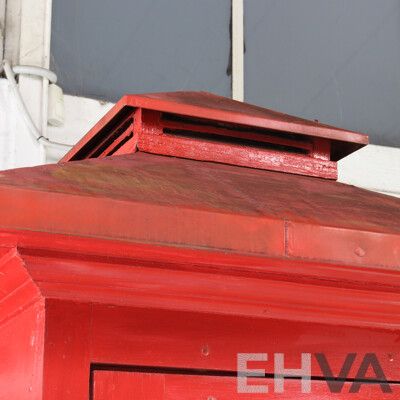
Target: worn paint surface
[[202, 126], [169, 201], [209, 106], [21, 346]]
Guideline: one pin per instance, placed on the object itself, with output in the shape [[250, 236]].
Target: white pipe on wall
[[35, 71], [22, 107]]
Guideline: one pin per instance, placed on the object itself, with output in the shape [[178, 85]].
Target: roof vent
[[202, 126]]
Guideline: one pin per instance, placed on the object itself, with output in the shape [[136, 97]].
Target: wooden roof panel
[[145, 198]]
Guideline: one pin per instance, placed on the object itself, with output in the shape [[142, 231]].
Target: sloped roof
[[161, 200], [208, 106]]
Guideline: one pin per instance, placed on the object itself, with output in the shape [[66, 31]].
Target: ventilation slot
[[201, 130], [110, 138]]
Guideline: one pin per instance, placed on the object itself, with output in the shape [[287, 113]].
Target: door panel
[[117, 385], [175, 339], [112, 385]]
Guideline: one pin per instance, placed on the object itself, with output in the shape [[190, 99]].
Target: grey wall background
[[337, 61], [107, 48]]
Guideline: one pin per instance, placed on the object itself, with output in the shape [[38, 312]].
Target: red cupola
[[205, 127]]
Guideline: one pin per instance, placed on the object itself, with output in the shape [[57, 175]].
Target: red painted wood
[[21, 350], [167, 338], [123, 127], [258, 137], [117, 385], [310, 242], [14, 275], [117, 252], [166, 201], [321, 148], [17, 290], [131, 145], [151, 123], [66, 369], [152, 337], [200, 290], [158, 224], [236, 155], [127, 131], [131, 217], [210, 107]]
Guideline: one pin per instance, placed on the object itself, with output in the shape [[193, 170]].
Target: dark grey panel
[[337, 61], [107, 48]]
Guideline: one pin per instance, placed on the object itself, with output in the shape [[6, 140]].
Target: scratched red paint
[[155, 123]]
